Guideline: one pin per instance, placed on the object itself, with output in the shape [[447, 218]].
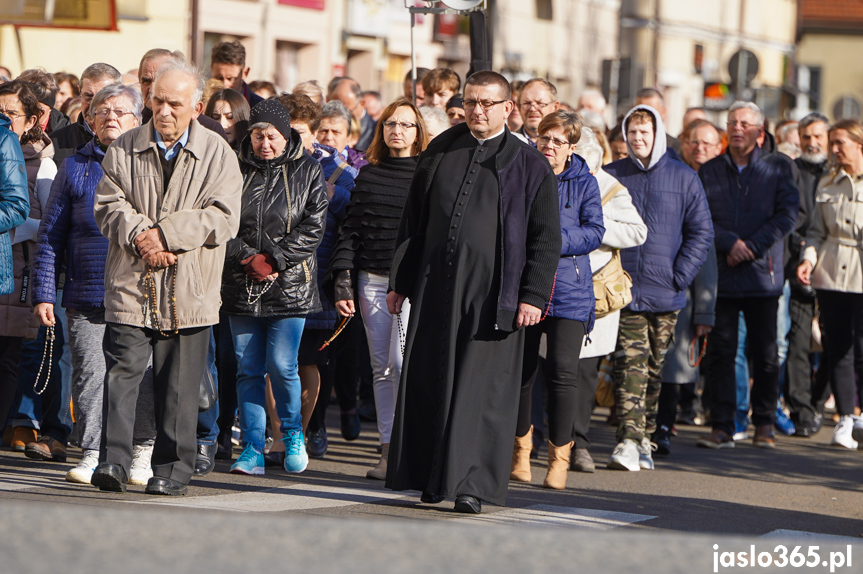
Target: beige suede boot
[[558, 465], [380, 470], [521, 457]]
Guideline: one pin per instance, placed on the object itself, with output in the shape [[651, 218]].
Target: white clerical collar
[[481, 142]]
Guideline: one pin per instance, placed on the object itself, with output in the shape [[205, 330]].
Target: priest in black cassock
[[479, 244]]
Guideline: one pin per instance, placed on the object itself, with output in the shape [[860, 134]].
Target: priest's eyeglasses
[[484, 104]]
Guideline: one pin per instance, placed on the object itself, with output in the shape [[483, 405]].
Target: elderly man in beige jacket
[[169, 201]]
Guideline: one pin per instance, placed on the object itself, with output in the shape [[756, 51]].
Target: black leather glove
[[344, 287]]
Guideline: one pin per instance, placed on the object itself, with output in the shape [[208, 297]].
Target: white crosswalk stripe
[[32, 479], [809, 537], [561, 516], [292, 497]]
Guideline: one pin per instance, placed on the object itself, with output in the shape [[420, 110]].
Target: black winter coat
[[286, 222]]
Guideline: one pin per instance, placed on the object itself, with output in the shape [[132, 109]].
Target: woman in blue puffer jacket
[[570, 312]]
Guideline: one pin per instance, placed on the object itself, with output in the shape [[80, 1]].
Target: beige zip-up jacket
[[834, 243], [197, 216]]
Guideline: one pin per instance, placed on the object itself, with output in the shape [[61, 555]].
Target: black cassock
[[458, 397]]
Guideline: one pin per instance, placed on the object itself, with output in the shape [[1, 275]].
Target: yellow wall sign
[[77, 14]]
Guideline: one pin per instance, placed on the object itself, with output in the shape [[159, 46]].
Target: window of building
[[544, 9]]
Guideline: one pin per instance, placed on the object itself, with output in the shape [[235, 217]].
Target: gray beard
[[814, 157]]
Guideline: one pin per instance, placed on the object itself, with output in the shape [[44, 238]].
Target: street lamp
[[436, 7]]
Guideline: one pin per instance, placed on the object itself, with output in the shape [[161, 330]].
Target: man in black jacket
[[812, 164], [94, 78], [479, 244], [753, 202]]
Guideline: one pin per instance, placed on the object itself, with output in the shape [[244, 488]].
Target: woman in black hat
[[269, 283]]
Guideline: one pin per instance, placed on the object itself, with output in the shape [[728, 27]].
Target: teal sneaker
[[296, 458], [250, 462]]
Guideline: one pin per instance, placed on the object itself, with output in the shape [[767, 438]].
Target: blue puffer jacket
[[14, 199], [758, 205], [669, 198], [68, 229], [326, 318], [581, 232]]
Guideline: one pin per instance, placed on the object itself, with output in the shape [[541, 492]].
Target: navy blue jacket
[[336, 211], [581, 232], [669, 198], [68, 229], [759, 206]]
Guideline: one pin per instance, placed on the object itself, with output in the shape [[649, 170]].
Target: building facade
[[141, 24], [829, 71], [683, 47]]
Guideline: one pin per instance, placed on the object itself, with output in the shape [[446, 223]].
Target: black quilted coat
[[284, 213]]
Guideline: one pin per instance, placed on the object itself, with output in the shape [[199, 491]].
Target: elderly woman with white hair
[[68, 232], [623, 228]]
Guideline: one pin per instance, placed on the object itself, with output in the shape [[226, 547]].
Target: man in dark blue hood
[[670, 199]]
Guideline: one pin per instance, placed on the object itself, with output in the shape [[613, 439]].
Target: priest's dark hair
[[489, 78], [378, 149]]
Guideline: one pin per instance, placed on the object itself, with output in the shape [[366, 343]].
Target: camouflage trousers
[[642, 341]]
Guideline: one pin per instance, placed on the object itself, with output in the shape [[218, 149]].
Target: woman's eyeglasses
[[403, 125]]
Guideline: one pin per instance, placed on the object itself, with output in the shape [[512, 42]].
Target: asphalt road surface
[[688, 515]]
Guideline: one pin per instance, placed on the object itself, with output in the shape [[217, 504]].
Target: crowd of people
[[188, 264]]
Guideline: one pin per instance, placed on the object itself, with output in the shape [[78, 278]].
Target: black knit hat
[[272, 112], [455, 102]]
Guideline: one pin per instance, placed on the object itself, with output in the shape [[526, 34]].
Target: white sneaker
[[739, 436], [842, 434], [82, 473], [645, 454], [140, 472], [857, 430], [625, 456]]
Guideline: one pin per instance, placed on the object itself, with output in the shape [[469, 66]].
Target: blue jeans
[[741, 373], [267, 345], [208, 421], [49, 413]]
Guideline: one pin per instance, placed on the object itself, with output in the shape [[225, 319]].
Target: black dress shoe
[[429, 498], [226, 448], [316, 443], [467, 504], [165, 487], [274, 459], [206, 459], [224, 453], [109, 477], [350, 426]]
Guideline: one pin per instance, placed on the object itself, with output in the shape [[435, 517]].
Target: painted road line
[[32, 479], [293, 497], [561, 516], [812, 536]]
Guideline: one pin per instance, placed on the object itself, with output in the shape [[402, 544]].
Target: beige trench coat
[[197, 216], [834, 244]]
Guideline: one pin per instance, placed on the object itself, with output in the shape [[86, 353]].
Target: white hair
[[435, 119], [739, 105], [176, 65], [117, 91], [592, 120], [588, 147], [595, 95]]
